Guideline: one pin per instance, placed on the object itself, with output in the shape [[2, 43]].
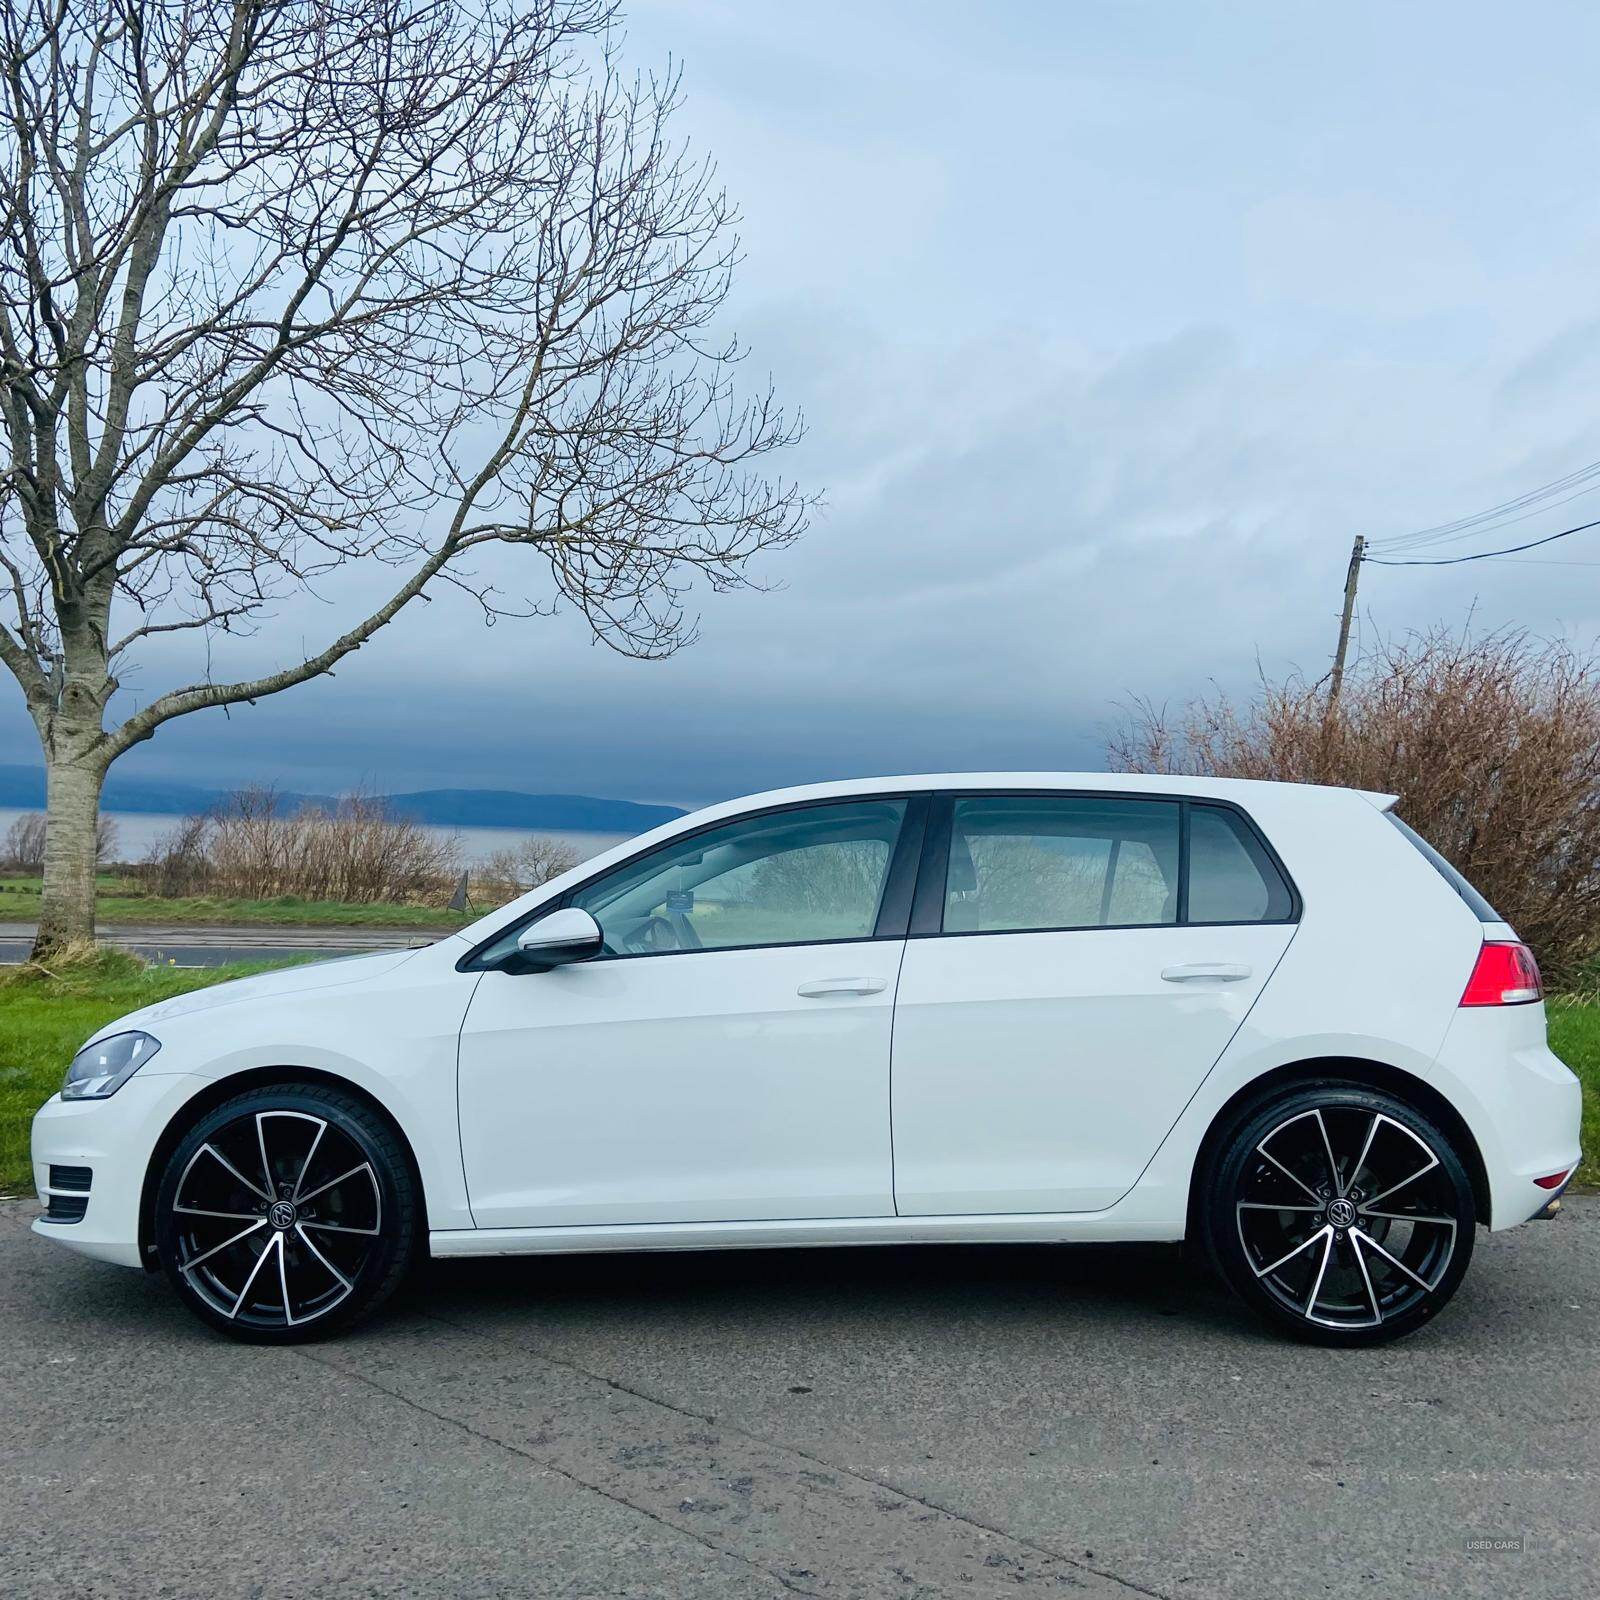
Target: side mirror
[[560, 938]]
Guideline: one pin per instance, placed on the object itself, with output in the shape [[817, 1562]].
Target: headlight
[[101, 1068]]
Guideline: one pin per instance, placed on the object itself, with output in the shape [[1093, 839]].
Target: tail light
[[1505, 975]]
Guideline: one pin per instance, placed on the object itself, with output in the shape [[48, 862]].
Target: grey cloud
[[1110, 337], [1147, 525]]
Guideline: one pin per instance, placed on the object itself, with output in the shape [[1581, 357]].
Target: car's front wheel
[[1340, 1213], [286, 1212]]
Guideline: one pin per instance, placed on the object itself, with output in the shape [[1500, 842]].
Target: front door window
[[808, 876]]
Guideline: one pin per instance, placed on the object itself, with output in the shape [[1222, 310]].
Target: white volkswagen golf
[[1016, 1007]]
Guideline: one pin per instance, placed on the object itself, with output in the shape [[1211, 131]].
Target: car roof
[[1113, 782]]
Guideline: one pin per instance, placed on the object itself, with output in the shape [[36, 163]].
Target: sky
[[1112, 324]]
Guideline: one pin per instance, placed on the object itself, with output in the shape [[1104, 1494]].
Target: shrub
[[1492, 745], [176, 864], [251, 848]]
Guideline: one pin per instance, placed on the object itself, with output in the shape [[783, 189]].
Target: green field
[[122, 900], [44, 1019]]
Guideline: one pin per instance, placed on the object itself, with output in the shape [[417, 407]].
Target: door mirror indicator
[[558, 939]]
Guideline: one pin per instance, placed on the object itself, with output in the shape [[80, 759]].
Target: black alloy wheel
[[286, 1213], [1342, 1214]]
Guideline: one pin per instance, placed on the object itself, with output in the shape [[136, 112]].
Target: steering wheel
[[652, 936]]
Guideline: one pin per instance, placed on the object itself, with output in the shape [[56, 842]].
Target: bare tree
[[287, 285], [23, 847], [534, 859]]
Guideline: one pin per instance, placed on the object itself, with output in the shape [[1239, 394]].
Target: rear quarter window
[[1479, 907], [1231, 876]]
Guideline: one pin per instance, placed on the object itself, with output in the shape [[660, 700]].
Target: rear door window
[[1022, 862], [1037, 862]]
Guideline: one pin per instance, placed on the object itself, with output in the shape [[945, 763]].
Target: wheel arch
[[220, 1090], [1369, 1074]]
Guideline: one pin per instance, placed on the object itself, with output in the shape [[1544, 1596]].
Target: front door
[[725, 1059], [1072, 989]]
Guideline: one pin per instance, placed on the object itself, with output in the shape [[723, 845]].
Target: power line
[[1514, 561], [1479, 555], [1536, 501], [1414, 542], [1585, 480]]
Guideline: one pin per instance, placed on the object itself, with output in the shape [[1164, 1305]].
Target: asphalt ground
[[870, 1423]]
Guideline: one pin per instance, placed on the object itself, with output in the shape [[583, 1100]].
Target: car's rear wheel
[[286, 1213], [1340, 1213]]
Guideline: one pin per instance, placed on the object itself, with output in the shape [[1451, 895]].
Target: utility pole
[[1351, 578]]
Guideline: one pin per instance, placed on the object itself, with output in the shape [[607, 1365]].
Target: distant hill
[[448, 808], [507, 808]]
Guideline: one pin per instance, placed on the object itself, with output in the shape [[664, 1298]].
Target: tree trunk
[[72, 814]]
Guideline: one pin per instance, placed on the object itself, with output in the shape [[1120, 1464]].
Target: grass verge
[[45, 1016], [1575, 1037]]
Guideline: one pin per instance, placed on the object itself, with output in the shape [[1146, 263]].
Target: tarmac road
[[876, 1423], [215, 947]]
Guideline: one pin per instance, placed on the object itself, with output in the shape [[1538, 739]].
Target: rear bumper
[[114, 1140], [1524, 1108]]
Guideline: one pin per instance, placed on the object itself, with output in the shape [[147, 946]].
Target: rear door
[[1078, 964]]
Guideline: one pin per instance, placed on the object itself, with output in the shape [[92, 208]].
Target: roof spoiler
[[1382, 802]]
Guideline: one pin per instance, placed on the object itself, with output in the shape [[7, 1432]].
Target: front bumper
[[114, 1139]]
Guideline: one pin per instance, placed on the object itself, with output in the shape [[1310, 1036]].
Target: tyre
[[1340, 1213], [287, 1213]]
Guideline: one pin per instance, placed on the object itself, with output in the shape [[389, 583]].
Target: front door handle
[[818, 987], [1197, 971]]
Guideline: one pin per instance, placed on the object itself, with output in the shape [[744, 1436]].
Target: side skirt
[[1034, 1228]]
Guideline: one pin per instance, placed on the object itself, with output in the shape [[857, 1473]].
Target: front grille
[[77, 1179], [67, 1207]]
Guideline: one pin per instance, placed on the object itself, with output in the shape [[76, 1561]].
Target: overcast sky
[[1112, 323]]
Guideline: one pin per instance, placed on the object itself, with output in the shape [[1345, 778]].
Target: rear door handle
[[1196, 971], [818, 987]]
